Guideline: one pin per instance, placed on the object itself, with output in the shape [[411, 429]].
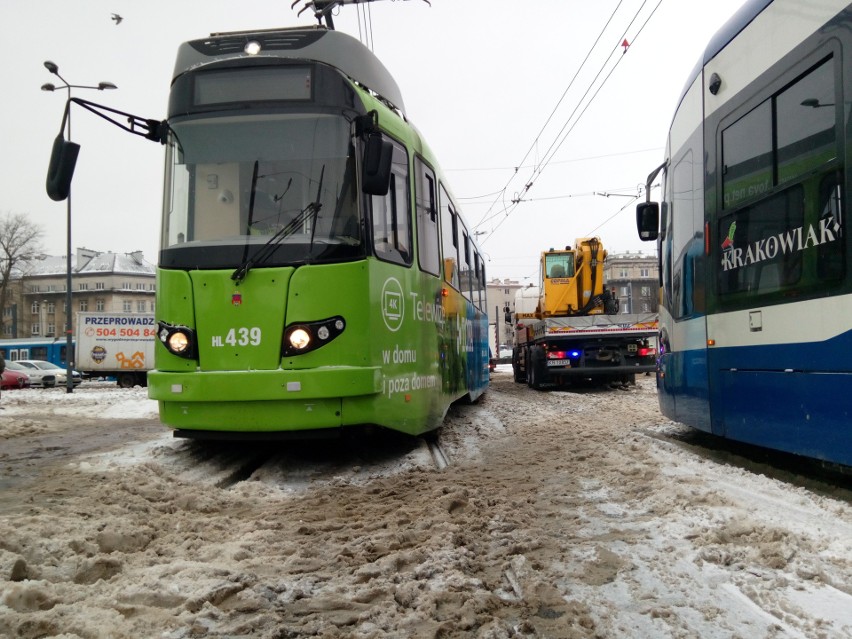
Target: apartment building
[[100, 281]]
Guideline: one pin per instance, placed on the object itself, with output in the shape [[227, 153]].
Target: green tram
[[315, 271]]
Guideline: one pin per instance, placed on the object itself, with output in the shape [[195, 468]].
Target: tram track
[[439, 457]]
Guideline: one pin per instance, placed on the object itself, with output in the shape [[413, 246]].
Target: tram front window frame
[[234, 182]]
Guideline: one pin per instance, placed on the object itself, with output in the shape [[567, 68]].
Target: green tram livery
[[314, 270]]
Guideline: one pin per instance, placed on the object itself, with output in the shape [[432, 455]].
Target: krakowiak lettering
[[790, 241]]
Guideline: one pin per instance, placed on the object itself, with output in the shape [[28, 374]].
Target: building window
[[36, 329], [84, 305], [646, 291], [83, 286], [35, 309], [140, 306], [127, 306], [99, 304], [51, 329], [152, 307], [99, 286], [622, 272], [51, 308], [644, 272], [152, 287], [625, 291]]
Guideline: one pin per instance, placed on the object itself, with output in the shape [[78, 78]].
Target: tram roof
[[319, 44], [727, 32]]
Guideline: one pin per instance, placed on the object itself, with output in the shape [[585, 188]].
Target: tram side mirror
[[60, 171], [648, 220], [378, 152]]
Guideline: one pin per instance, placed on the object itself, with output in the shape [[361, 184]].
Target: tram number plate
[[559, 362]]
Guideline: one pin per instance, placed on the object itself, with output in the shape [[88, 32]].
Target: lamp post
[[54, 69]]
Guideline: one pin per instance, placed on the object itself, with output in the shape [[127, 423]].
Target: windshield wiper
[[266, 251]]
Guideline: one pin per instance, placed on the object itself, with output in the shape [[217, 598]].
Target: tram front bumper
[[274, 400]]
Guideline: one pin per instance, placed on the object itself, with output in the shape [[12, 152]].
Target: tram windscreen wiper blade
[[266, 251], [253, 194], [317, 208]]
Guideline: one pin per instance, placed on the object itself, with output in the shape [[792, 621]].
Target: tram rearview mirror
[[648, 220], [60, 171], [378, 152]]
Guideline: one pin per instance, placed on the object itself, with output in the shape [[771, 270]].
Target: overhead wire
[[549, 154], [561, 98], [602, 84]]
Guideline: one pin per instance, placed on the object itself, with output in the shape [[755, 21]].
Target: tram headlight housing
[[178, 340], [304, 337]]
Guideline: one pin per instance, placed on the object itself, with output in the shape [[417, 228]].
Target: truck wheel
[[127, 380], [516, 370], [534, 369]]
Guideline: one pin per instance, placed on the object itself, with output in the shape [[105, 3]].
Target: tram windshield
[[241, 183]]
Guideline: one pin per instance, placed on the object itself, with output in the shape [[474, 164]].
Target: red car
[[14, 379]]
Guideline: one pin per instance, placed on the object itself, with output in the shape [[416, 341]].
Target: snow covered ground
[[561, 514]]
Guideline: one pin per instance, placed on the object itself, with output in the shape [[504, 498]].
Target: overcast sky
[[480, 80]]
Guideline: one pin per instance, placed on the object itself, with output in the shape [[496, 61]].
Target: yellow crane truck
[[568, 329]]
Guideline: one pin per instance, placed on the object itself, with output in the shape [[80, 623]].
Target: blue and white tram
[[756, 288], [49, 349]]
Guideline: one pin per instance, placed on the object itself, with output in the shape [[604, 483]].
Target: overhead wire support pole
[[53, 68]]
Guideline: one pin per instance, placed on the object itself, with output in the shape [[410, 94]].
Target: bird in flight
[[117, 18]]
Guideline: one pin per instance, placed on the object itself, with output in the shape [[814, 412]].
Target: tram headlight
[[178, 340], [304, 337], [299, 338]]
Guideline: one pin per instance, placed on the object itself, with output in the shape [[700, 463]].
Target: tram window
[[687, 236], [467, 272], [391, 218], [449, 240], [428, 254], [483, 291], [747, 156], [831, 258], [805, 117], [762, 245], [477, 298], [785, 137]]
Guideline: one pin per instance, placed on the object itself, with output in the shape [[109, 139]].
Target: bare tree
[[20, 241]]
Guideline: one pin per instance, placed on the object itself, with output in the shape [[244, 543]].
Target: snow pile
[[560, 514]]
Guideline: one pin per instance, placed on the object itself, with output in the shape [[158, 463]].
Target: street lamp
[[54, 69]]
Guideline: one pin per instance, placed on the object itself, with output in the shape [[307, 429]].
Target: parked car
[[38, 378], [14, 379], [58, 371]]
